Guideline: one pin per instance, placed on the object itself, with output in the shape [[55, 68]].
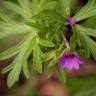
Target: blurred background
[[79, 82]]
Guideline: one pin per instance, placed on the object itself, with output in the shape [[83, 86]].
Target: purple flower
[[70, 61], [70, 21]]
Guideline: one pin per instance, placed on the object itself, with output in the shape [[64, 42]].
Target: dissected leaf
[[87, 89], [87, 11], [26, 70], [11, 51], [3, 16], [20, 60], [14, 7], [87, 42], [50, 17], [90, 22], [35, 4], [61, 75], [46, 43], [50, 55], [13, 29], [13, 76], [66, 7], [74, 38], [52, 26], [37, 62], [25, 4], [52, 4], [41, 7], [92, 46], [87, 31], [8, 68]]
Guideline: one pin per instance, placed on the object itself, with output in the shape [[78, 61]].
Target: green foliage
[[87, 11], [25, 5], [90, 22], [87, 31], [61, 75], [37, 62], [15, 8], [3, 16], [66, 7], [26, 11], [8, 68], [13, 28], [26, 70], [20, 61], [74, 39], [11, 52], [30, 45], [87, 88], [41, 6], [45, 29], [46, 43], [86, 40]]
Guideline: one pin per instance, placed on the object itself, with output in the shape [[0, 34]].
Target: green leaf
[[49, 71], [38, 26], [74, 38], [46, 43], [90, 22], [87, 11], [84, 44], [50, 17], [8, 68], [3, 16], [61, 75], [87, 89], [34, 24], [49, 5], [13, 29], [41, 7], [50, 55], [14, 7], [14, 74], [37, 62], [88, 92], [20, 60], [81, 36], [25, 4], [34, 6], [87, 42], [87, 31], [92, 46], [26, 70], [29, 44], [11, 51], [66, 7]]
